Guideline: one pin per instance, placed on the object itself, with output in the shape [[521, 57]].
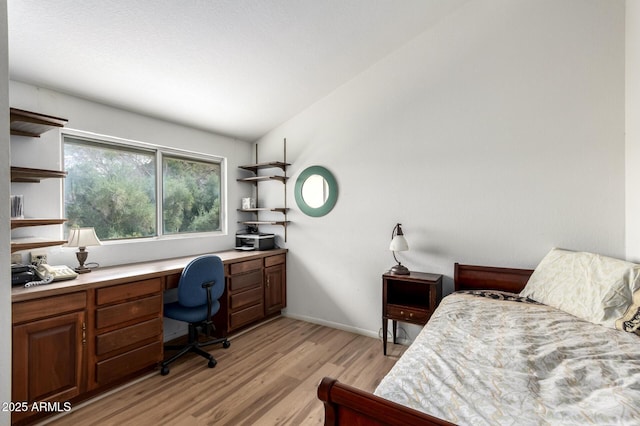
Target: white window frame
[[159, 151]]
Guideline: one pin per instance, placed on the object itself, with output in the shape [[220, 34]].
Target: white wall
[[5, 293], [44, 199], [492, 138], [632, 125]]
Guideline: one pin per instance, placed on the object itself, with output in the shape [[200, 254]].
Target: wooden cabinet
[[275, 288], [76, 339], [256, 289], [128, 330], [245, 289], [49, 350], [408, 298], [69, 344]]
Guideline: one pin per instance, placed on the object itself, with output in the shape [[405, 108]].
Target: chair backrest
[[201, 270]]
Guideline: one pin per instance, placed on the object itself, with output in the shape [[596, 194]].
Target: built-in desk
[[74, 339]]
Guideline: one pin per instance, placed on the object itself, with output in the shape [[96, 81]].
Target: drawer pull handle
[[84, 332]]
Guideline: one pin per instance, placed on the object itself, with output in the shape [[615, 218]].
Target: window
[[115, 186], [190, 196]]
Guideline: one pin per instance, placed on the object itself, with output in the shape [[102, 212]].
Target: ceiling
[[234, 67]]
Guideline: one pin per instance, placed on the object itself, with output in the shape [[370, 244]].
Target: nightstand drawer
[[403, 313]]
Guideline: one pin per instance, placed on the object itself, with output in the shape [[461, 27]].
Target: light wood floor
[[268, 376]]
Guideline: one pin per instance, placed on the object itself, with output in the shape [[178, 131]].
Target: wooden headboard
[[471, 277]]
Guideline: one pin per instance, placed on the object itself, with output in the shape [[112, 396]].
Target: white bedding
[[481, 361]]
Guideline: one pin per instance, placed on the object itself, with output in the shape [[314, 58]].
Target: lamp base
[[82, 269], [399, 269], [82, 254]]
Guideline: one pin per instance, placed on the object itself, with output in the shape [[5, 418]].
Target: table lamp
[[398, 243], [82, 238]]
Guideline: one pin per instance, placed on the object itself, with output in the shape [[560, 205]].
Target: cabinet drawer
[[122, 365], [249, 265], [48, 306], [404, 313], [119, 293], [245, 298], [245, 281], [246, 316], [172, 281], [274, 260], [128, 311], [128, 336]]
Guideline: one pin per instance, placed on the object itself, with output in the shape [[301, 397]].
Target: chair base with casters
[[193, 345]]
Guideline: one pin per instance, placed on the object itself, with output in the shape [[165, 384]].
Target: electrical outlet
[[16, 258], [38, 257]]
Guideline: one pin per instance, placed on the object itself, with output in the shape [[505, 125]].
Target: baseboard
[[356, 330], [332, 324]]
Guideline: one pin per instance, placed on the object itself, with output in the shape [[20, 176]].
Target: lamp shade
[[83, 237], [399, 243]]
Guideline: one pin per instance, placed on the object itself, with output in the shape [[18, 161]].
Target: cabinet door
[[275, 289], [47, 359]]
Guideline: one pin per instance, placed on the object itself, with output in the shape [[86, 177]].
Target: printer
[[255, 241]]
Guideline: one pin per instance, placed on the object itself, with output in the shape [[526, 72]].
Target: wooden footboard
[[346, 405]]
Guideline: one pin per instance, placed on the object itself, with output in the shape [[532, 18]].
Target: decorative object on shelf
[[248, 203], [316, 191], [82, 238], [17, 207], [398, 243]]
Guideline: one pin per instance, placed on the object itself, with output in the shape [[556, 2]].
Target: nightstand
[[408, 298]]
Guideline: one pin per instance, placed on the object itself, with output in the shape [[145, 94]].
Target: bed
[[491, 355]]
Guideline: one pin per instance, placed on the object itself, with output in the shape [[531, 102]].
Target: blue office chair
[[201, 285]]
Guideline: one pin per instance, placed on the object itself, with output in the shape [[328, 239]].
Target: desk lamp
[[82, 238], [398, 243]]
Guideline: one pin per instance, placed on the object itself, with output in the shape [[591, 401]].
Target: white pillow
[[592, 287]]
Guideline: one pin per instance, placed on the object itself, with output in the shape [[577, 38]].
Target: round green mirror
[[316, 191]]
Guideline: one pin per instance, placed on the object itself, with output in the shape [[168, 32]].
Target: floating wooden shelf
[[254, 179], [265, 222], [269, 165], [24, 174], [21, 223], [29, 244], [254, 168], [265, 209], [31, 124]]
